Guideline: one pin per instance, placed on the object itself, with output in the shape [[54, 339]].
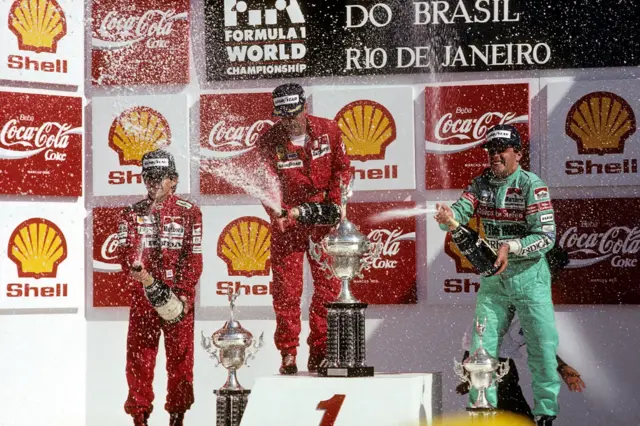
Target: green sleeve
[[541, 227], [466, 205]]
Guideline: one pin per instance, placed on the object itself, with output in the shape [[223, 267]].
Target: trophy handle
[[206, 345], [366, 262], [315, 251], [458, 368], [252, 351], [502, 370]]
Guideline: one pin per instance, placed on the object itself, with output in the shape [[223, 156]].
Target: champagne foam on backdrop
[[401, 213], [258, 183]]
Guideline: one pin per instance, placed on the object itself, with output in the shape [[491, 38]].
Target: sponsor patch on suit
[[293, 164]]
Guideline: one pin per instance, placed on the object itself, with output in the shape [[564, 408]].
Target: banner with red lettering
[[126, 128], [230, 126], [456, 122], [42, 41], [592, 137], [377, 130], [602, 238], [236, 246], [140, 42], [40, 144], [391, 278], [43, 261], [109, 289]]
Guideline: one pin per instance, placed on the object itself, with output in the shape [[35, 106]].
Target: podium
[[413, 399]]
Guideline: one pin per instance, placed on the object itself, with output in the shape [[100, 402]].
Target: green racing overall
[[517, 210]]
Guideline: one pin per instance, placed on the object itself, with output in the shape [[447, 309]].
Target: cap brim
[[288, 112]]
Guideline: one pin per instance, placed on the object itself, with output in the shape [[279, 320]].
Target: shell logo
[[135, 132], [38, 24], [37, 247], [367, 129], [245, 246], [600, 123], [463, 266]]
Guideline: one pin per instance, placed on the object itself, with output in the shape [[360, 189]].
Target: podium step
[[380, 400]]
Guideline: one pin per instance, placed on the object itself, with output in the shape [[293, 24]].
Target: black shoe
[[315, 360], [545, 420], [288, 365], [175, 419], [141, 419]]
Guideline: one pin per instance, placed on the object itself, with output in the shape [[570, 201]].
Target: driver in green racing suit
[[516, 213]]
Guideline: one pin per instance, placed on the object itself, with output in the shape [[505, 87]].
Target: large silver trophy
[[482, 371], [348, 253], [234, 347]]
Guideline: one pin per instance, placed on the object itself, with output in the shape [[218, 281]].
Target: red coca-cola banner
[[391, 278], [230, 126], [456, 122], [140, 42], [109, 282], [40, 144], [602, 237]]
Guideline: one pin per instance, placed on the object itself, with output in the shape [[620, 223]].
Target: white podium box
[[385, 399]]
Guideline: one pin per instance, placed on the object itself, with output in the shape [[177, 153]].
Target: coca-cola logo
[[108, 261], [118, 30], [226, 141], [619, 243], [18, 140], [469, 129], [390, 241]]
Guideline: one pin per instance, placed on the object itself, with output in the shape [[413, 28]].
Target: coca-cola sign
[[456, 122], [21, 140], [602, 239], [109, 281], [230, 126], [392, 277], [226, 140], [140, 42], [40, 144]]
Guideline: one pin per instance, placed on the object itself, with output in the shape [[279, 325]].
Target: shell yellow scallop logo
[[245, 246], [38, 24], [367, 129], [37, 247], [135, 132], [600, 123]]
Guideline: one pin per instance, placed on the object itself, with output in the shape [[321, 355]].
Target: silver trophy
[[348, 253], [482, 371], [234, 347]]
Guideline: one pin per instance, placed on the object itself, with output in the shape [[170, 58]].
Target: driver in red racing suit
[[308, 157], [160, 251]]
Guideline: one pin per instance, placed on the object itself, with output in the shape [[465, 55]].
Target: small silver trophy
[[235, 346], [348, 252], [482, 371]]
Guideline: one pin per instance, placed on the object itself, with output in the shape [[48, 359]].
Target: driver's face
[[295, 125], [158, 187], [503, 160]]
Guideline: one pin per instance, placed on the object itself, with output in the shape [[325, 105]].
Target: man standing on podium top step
[[308, 156], [516, 212]]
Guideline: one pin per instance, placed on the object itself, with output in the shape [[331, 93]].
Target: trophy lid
[[346, 232], [232, 334], [481, 358]]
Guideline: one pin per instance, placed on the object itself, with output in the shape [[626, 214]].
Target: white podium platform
[[305, 400]]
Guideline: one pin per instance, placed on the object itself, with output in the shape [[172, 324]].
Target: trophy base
[[230, 406], [481, 411], [366, 371]]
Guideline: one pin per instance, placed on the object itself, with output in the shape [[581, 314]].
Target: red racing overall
[[176, 259], [309, 173]]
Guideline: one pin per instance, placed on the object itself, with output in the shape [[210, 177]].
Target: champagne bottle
[[477, 251]]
